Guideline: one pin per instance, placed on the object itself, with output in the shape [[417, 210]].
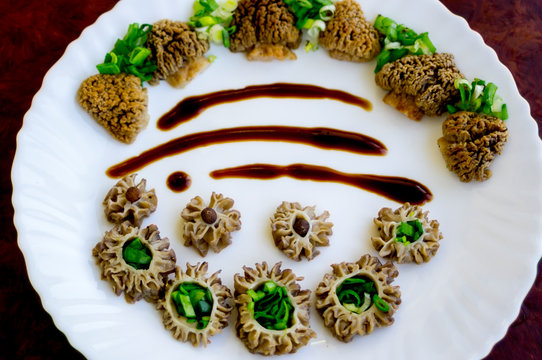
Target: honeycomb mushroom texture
[[427, 79], [215, 235], [265, 30], [116, 102], [290, 241], [257, 338], [175, 47], [419, 251], [348, 35], [345, 324], [470, 143], [179, 327], [136, 284], [120, 203]]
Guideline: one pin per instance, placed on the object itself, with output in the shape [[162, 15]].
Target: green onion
[[129, 55], [311, 16], [478, 97], [380, 303], [399, 41], [136, 254], [271, 306], [356, 293], [211, 20], [193, 302], [408, 232]]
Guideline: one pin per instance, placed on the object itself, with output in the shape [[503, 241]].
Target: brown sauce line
[[398, 189], [324, 138], [191, 107]]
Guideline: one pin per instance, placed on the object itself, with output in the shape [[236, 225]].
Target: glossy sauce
[[178, 181], [395, 188], [192, 106], [324, 138]]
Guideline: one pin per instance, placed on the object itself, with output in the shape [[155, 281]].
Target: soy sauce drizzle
[[191, 107], [395, 188], [324, 138], [178, 181]]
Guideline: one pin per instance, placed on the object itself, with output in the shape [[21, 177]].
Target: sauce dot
[[178, 181]]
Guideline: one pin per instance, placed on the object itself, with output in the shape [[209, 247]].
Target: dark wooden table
[[33, 36]]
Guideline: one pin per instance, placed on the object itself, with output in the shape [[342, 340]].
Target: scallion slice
[[271, 306], [193, 302], [212, 20], [136, 254], [479, 97]]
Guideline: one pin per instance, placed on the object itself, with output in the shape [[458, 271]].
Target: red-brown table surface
[[33, 36]]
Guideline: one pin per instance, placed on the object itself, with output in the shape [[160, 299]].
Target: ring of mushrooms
[[135, 261], [128, 201], [406, 234], [210, 225], [357, 297], [297, 231], [273, 311], [195, 306]]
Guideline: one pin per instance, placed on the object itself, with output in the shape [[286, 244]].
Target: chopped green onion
[[211, 20], [356, 293], [380, 303], [136, 254], [408, 232], [398, 41], [311, 16], [271, 306], [479, 97], [193, 302], [211, 58]]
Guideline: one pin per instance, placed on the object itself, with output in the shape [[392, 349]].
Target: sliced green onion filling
[[398, 41], [358, 293], [408, 232], [479, 97], [311, 16], [271, 306], [136, 254], [129, 55], [193, 302], [212, 19]]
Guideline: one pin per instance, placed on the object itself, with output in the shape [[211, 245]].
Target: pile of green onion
[[136, 254], [194, 302], [408, 232], [311, 16], [212, 20], [358, 293], [129, 55], [479, 97], [271, 306], [400, 41]]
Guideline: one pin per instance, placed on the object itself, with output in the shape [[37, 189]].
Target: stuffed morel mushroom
[[406, 234], [357, 297], [135, 261], [297, 231], [273, 311], [209, 225], [129, 201], [195, 306]]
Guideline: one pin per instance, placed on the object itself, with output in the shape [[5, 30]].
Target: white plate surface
[[456, 306]]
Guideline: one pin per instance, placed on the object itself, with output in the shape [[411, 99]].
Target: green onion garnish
[[399, 41], [130, 55], [193, 302], [212, 20], [479, 97], [271, 306], [408, 232], [380, 304], [136, 254], [311, 16], [357, 294]]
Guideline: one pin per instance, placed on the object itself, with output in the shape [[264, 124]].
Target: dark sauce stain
[[398, 189], [192, 106], [324, 138], [178, 181]]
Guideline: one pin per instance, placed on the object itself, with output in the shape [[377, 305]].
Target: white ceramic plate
[[456, 306]]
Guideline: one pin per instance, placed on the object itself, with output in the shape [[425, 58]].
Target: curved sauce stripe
[[191, 107], [324, 138], [398, 189]]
